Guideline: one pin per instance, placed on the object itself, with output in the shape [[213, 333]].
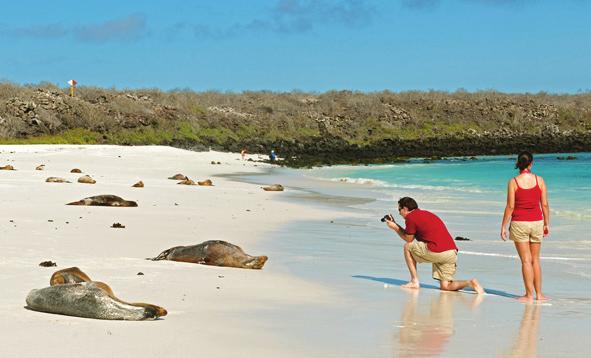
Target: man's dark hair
[[524, 159], [408, 203]]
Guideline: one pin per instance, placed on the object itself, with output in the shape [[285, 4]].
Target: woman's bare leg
[[527, 270], [537, 269]]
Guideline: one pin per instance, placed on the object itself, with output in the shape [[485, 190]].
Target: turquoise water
[[474, 183]]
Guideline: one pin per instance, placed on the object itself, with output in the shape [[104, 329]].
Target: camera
[[387, 217]]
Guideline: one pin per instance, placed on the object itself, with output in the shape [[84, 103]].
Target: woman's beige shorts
[[526, 231]]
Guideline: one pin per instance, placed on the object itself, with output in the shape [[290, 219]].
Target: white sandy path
[[203, 320]]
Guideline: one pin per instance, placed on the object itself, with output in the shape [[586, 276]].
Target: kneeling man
[[433, 244]]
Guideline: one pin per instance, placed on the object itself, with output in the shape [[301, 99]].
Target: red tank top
[[527, 203]]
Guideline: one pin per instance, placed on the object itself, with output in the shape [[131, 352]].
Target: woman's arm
[[508, 208], [545, 206]]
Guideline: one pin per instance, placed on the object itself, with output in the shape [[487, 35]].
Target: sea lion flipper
[[162, 256]]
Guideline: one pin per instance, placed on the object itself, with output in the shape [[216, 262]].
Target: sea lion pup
[[178, 177], [139, 184], [274, 187], [90, 300], [104, 200], [68, 275], [56, 180], [86, 179], [206, 182], [187, 182], [215, 253], [7, 167], [40, 167], [75, 170]]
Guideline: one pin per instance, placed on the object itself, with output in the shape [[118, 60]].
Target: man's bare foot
[[543, 298], [525, 298], [476, 286], [411, 284]]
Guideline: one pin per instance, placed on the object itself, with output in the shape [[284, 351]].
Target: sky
[[511, 46]]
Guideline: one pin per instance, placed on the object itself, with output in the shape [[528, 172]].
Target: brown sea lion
[[56, 180], [104, 200], [75, 170], [274, 187], [86, 179], [206, 182], [72, 293], [213, 252], [178, 177], [187, 182], [68, 275], [7, 167], [40, 167], [139, 184]]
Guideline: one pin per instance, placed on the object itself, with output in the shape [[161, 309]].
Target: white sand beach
[[329, 289], [212, 311]]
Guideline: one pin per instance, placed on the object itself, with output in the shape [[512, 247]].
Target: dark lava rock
[[118, 226], [460, 238]]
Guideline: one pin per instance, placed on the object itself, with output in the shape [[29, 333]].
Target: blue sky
[[308, 45]]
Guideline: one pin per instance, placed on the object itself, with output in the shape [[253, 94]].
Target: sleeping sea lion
[[178, 177], [86, 179], [187, 182], [104, 200], [7, 167], [213, 252], [80, 297], [56, 180], [40, 167], [75, 170], [139, 184], [206, 182], [274, 187]]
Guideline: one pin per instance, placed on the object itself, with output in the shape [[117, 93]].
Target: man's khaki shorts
[[444, 263], [526, 231]]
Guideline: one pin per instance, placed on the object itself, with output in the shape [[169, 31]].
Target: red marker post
[[72, 84]]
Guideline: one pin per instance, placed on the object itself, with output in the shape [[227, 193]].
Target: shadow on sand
[[397, 282]]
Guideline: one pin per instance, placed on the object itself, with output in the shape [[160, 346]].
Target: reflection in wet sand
[[425, 330], [525, 344]]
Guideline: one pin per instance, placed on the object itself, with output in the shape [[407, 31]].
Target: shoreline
[[329, 289]]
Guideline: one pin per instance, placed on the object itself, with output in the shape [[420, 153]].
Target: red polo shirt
[[429, 228]]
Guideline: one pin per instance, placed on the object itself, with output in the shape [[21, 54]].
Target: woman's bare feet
[[543, 298], [525, 298], [411, 284], [476, 286]]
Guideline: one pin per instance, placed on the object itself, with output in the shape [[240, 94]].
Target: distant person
[[272, 156], [527, 206], [243, 154], [428, 240]]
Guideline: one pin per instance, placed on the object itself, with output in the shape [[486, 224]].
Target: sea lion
[[187, 182], [7, 167], [68, 275], [75, 170], [72, 293], [56, 180], [178, 177], [274, 187], [40, 167], [139, 184], [213, 252], [86, 179], [206, 182], [104, 200]]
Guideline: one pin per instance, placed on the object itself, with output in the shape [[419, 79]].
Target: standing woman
[[527, 206]]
